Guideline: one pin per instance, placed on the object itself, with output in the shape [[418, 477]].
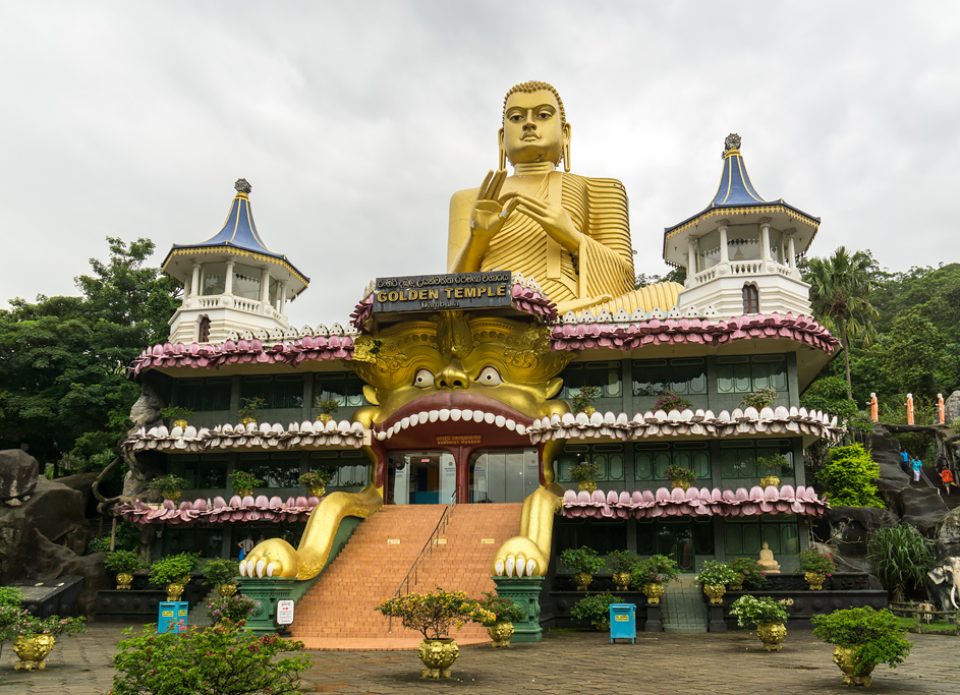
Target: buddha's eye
[[515, 117], [489, 376], [544, 115], [423, 379]]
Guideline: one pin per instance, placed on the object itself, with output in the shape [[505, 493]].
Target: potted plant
[[316, 480], [772, 465], [714, 577], [582, 400], [433, 615], [235, 608], [585, 473], [10, 613], [36, 638], [584, 562], [621, 564], [864, 637], [816, 567], [173, 572], [651, 575], [759, 399], [176, 415], [221, 574], [767, 615], [170, 486], [749, 572], [123, 563], [503, 614], [249, 407], [680, 477], [327, 407], [243, 482], [668, 400], [594, 610]]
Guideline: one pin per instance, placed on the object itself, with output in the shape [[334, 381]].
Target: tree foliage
[[849, 476], [901, 557]]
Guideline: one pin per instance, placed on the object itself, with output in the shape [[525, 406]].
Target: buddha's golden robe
[[599, 276]]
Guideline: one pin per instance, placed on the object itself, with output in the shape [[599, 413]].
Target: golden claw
[[529, 553]]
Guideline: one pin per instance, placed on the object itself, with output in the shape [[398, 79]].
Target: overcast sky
[[355, 121]]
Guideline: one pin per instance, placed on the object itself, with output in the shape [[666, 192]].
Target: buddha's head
[[535, 127]]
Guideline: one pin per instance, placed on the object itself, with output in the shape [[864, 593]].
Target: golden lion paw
[[519, 557], [272, 558]]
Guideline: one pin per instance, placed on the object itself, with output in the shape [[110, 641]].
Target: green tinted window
[[682, 376]]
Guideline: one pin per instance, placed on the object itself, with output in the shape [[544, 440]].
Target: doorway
[[421, 477], [503, 475]]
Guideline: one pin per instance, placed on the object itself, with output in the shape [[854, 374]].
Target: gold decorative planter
[[682, 484], [324, 418], [175, 591], [621, 580], [500, 633], [182, 424], [586, 486], [438, 656], [244, 492], [226, 590], [768, 480], [589, 410], [653, 592], [843, 658], [772, 635], [32, 651], [582, 580], [124, 581], [815, 580], [248, 421], [317, 490], [715, 593]]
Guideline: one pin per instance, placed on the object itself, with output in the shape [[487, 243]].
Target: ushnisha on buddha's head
[[535, 127]]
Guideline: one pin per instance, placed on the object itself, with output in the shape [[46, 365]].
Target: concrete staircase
[[683, 608], [338, 612]]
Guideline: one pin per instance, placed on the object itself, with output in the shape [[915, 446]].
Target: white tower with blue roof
[[232, 282], [741, 252]]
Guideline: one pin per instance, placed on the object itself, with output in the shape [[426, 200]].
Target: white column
[[691, 257], [791, 253], [265, 287], [195, 280], [228, 282], [283, 297], [724, 254], [765, 240]]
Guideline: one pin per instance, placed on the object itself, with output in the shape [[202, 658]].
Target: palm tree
[[840, 289]]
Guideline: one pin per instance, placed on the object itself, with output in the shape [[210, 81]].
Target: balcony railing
[[250, 306], [747, 268]]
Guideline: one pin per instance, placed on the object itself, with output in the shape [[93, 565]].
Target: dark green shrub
[[594, 610], [584, 398], [656, 569], [219, 571], [122, 561], [234, 609], [813, 561], [848, 479], [583, 559], [753, 578], [876, 635], [219, 660], [901, 558], [173, 568], [622, 560], [503, 609], [759, 399]]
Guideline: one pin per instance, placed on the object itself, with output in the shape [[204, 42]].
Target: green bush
[[318, 477], [716, 573], [595, 610], [219, 571], [622, 560], [175, 412], [234, 609], [122, 561], [242, 480], [585, 471], [751, 611], [848, 477], [753, 578], [759, 399], [877, 636], [219, 660], [51, 625], [583, 559], [656, 569], [901, 558], [813, 561], [828, 394], [502, 610], [168, 485], [10, 596], [583, 398], [679, 474], [173, 568]]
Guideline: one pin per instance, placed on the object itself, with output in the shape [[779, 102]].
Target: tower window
[[751, 299], [203, 330]]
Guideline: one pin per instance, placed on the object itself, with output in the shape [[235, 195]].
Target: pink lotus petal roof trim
[[675, 331], [220, 511], [664, 502]]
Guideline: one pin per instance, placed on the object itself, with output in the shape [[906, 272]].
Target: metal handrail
[[404, 586]]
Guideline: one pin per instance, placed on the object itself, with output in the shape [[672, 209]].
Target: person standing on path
[[905, 461], [946, 477], [917, 466]]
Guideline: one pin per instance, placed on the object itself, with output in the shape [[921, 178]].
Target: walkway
[[577, 663]]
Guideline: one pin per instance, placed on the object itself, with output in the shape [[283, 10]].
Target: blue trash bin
[[623, 622], [172, 616]]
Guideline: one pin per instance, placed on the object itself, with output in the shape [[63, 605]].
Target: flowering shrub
[[583, 398], [715, 573], [435, 614], [759, 399], [502, 610], [30, 625], [751, 611], [749, 572], [812, 561], [236, 608], [656, 569], [219, 660], [668, 400], [679, 474]]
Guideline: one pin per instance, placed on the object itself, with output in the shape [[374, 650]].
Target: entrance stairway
[[683, 607], [339, 611]]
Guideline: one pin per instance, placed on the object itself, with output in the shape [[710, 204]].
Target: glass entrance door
[[421, 477], [503, 475]]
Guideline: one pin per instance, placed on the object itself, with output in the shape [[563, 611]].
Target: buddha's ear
[[566, 147], [502, 151], [370, 394]]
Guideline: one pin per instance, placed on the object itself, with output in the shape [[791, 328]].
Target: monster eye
[[423, 379], [489, 376]]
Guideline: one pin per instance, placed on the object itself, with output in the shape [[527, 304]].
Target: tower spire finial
[[731, 145], [242, 186]]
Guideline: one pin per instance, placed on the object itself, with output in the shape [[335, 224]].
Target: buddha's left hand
[[554, 219]]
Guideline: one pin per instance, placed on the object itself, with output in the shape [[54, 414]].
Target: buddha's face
[[532, 128]]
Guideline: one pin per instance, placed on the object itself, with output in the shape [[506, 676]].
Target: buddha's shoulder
[[595, 183]]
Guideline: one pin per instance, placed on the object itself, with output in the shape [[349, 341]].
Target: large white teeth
[[455, 414], [500, 420], [405, 423], [422, 417], [434, 415], [511, 425], [444, 414], [467, 415], [521, 429], [489, 418]]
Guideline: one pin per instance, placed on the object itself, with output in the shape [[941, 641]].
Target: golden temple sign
[[447, 291]]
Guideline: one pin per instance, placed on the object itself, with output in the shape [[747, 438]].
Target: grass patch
[[924, 628]]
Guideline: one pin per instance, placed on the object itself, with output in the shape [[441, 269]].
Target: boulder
[[850, 527], [18, 475], [948, 535], [952, 406]]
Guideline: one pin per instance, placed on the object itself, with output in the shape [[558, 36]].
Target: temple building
[[451, 393]]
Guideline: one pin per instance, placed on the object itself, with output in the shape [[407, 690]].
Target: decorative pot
[[500, 633], [737, 586], [124, 581], [227, 589], [653, 592], [589, 410], [324, 417], [768, 480], [317, 490], [621, 580], [772, 635], [248, 420], [582, 580], [438, 656], [843, 658], [715, 593], [182, 424], [586, 486], [32, 651], [682, 484], [244, 492], [815, 580], [175, 590], [173, 495]]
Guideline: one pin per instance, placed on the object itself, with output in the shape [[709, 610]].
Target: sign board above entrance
[[448, 291]]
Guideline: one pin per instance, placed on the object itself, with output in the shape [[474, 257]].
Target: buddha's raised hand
[[488, 213]]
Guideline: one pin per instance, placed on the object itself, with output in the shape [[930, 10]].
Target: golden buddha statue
[[570, 233]]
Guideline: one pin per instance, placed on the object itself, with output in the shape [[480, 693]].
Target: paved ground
[[568, 662]]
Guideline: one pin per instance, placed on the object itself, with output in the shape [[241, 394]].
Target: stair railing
[[427, 549]]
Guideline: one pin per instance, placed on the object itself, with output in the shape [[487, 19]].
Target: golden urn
[[582, 580], [227, 589], [768, 480], [175, 590], [653, 592], [586, 486], [500, 633], [317, 491], [815, 580], [124, 581], [438, 656], [32, 651], [182, 424], [324, 417], [715, 593], [772, 635], [682, 484], [621, 580], [843, 658]]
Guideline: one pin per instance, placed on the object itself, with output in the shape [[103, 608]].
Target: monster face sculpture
[[452, 366]]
